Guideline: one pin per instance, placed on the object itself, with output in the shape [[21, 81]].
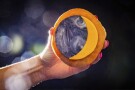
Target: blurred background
[[24, 26]]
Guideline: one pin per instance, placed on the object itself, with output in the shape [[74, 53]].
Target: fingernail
[[107, 43], [100, 55], [51, 30], [96, 16]]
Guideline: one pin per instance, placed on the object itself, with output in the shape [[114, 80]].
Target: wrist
[[37, 72], [23, 74], [29, 73]]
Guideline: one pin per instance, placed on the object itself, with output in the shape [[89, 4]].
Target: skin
[[42, 67]]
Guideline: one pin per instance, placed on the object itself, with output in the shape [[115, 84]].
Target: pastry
[[78, 37]]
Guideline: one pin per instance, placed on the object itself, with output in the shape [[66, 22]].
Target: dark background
[[114, 71]]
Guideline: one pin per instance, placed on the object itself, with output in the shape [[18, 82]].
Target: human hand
[[56, 68]]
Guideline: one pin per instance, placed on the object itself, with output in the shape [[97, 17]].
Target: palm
[[57, 68]]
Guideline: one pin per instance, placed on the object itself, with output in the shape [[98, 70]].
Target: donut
[[78, 37]]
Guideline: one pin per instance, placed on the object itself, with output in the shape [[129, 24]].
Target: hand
[[39, 68], [56, 68]]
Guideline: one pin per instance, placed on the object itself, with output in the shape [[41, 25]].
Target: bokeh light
[[34, 9], [38, 48], [17, 59], [26, 55], [6, 44], [18, 82], [32, 31], [18, 43], [49, 18]]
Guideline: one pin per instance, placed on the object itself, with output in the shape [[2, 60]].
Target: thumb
[[47, 55], [49, 38]]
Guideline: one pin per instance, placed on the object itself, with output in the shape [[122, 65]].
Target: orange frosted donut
[[78, 37]]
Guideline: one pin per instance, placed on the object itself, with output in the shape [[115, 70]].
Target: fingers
[[106, 44], [47, 54], [96, 16], [98, 58], [51, 31], [75, 70]]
